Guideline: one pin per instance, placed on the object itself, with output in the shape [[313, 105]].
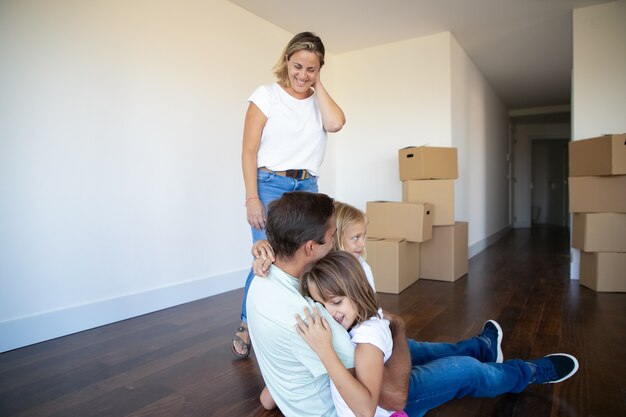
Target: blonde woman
[[284, 140]]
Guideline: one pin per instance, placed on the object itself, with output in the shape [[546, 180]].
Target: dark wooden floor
[[177, 362]]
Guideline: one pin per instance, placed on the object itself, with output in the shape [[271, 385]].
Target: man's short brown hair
[[296, 218]]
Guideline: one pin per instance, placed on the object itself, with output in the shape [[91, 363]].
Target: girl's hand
[[263, 249], [260, 266], [317, 332], [255, 213], [264, 257]]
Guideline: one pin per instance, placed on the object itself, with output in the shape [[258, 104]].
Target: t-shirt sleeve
[[341, 342], [307, 356], [261, 98], [368, 273], [372, 332]]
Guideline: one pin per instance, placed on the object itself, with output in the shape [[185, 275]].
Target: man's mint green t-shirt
[[292, 371]]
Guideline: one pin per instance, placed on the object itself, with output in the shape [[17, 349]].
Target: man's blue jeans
[[271, 187], [443, 371]]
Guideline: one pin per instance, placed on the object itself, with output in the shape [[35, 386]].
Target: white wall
[[480, 132], [395, 95], [423, 91], [599, 76], [120, 140]]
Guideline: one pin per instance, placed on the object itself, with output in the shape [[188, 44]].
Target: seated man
[[300, 228], [417, 377]]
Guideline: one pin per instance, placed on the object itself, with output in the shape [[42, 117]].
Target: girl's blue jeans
[[271, 187], [443, 371]]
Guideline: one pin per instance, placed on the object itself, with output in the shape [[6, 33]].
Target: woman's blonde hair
[[305, 41], [339, 274], [345, 216]]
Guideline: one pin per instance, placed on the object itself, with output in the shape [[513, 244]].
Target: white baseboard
[[574, 266], [478, 247], [26, 331]]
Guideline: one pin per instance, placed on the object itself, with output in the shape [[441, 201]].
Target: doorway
[[549, 196]]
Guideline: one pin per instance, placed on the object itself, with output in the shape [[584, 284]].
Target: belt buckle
[[298, 174]]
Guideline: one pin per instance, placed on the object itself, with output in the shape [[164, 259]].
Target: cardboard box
[[603, 271], [440, 193], [599, 232], [410, 221], [605, 155], [395, 263], [597, 194], [427, 162], [444, 257]]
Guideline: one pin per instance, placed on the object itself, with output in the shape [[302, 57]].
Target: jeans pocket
[[263, 176]]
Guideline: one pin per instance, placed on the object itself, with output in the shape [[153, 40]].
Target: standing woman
[[284, 140]]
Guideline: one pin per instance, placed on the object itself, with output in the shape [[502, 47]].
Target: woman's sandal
[[245, 344]]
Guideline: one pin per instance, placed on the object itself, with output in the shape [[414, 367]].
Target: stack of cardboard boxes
[[428, 174], [418, 237], [395, 231], [597, 199]]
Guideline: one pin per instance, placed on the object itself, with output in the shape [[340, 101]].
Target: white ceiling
[[522, 47]]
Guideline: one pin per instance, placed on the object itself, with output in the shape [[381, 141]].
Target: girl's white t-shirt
[[376, 332], [294, 135], [368, 272]]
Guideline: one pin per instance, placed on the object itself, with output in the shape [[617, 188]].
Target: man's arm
[[395, 386]]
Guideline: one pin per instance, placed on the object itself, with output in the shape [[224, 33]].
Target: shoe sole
[[572, 372], [500, 355]]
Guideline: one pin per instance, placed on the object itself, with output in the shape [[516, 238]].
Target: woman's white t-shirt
[[294, 135]]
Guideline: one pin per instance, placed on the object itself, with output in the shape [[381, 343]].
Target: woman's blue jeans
[[271, 187], [443, 371]]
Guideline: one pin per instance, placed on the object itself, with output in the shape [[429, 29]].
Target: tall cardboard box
[[597, 194], [428, 162], [440, 193], [603, 271], [444, 257], [599, 232], [605, 155], [410, 221], [395, 263]]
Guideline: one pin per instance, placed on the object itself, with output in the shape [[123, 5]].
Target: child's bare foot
[[266, 399]]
